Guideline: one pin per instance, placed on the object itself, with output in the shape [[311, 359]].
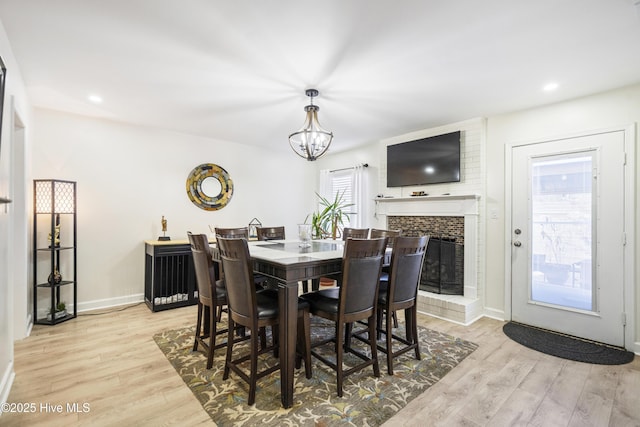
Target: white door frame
[[629, 225]]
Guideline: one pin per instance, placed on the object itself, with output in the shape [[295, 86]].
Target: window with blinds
[[342, 181]]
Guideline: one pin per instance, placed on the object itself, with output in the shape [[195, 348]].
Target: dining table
[[288, 262]]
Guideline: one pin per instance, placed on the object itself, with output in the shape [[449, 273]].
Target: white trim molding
[[463, 309]]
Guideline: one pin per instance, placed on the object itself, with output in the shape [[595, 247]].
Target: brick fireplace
[[443, 269], [455, 218]]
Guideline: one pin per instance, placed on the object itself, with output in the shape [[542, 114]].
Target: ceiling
[[237, 70]]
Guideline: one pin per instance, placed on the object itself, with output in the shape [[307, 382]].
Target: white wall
[[618, 108], [129, 176], [472, 173], [11, 282]]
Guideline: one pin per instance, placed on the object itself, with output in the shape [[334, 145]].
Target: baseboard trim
[[6, 383], [110, 302], [492, 313], [426, 313]]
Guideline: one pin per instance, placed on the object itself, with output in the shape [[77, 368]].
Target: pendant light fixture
[[311, 141]]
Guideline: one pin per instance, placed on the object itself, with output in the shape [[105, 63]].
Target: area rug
[[367, 401], [566, 346]]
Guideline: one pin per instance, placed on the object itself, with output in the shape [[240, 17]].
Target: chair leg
[[306, 337], [412, 314], [339, 357], [389, 338], [348, 328], [380, 312], [198, 326], [374, 345], [212, 338], [263, 337], [227, 361], [275, 339], [253, 376], [395, 319]]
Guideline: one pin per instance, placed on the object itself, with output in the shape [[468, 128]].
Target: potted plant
[[60, 311], [331, 218]]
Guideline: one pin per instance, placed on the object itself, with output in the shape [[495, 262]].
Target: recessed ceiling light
[[550, 87], [96, 99]]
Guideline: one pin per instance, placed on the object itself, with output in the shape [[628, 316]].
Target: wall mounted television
[[431, 160]]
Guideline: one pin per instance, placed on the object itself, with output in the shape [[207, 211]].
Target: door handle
[[517, 244]]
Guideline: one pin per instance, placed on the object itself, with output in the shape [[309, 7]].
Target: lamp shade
[[311, 141], [53, 196]]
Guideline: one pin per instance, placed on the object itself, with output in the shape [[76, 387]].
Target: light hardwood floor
[[110, 362]]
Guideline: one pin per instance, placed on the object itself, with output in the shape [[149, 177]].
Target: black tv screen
[[430, 160]]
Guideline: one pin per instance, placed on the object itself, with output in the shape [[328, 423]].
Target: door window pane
[[562, 230]]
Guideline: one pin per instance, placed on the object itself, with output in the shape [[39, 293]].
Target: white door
[[568, 236]]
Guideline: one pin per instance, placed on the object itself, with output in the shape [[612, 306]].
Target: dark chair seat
[[212, 298], [355, 300], [323, 300], [400, 293], [267, 304], [255, 310]]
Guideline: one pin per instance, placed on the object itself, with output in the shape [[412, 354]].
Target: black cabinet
[[169, 275], [54, 251]]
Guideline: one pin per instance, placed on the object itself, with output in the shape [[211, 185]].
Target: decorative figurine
[[55, 277], [56, 234], [164, 236]]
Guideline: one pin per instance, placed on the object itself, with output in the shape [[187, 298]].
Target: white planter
[[57, 315]]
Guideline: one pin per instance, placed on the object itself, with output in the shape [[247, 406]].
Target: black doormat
[[566, 346]]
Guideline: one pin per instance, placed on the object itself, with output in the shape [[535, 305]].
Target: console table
[[169, 276]]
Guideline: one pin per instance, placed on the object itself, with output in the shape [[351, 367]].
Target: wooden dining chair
[[270, 233], [243, 233], [255, 310], [212, 297], [347, 233], [239, 232], [384, 277], [400, 294], [377, 233], [355, 300], [355, 233]]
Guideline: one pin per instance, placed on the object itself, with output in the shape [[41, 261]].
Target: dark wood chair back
[[389, 234], [241, 293], [203, 266], [406, 268], [355, 300], [255, 310], [355, 233], [361, 268], [270, 233], [230, 233], [400, 293], [212, 297]]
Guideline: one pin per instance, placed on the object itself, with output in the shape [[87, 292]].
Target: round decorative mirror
[[209, 187]]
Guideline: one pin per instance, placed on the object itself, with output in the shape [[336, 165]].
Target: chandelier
[[311, 141]]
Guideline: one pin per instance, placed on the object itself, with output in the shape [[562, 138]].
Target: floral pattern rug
[[367, 400]]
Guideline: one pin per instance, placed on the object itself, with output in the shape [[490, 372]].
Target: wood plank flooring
[[110, 362]]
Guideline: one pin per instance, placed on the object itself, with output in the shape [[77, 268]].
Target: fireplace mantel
[[443, 205], [463, 309]]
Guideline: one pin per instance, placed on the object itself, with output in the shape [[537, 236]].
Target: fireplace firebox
[[443, 269]]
